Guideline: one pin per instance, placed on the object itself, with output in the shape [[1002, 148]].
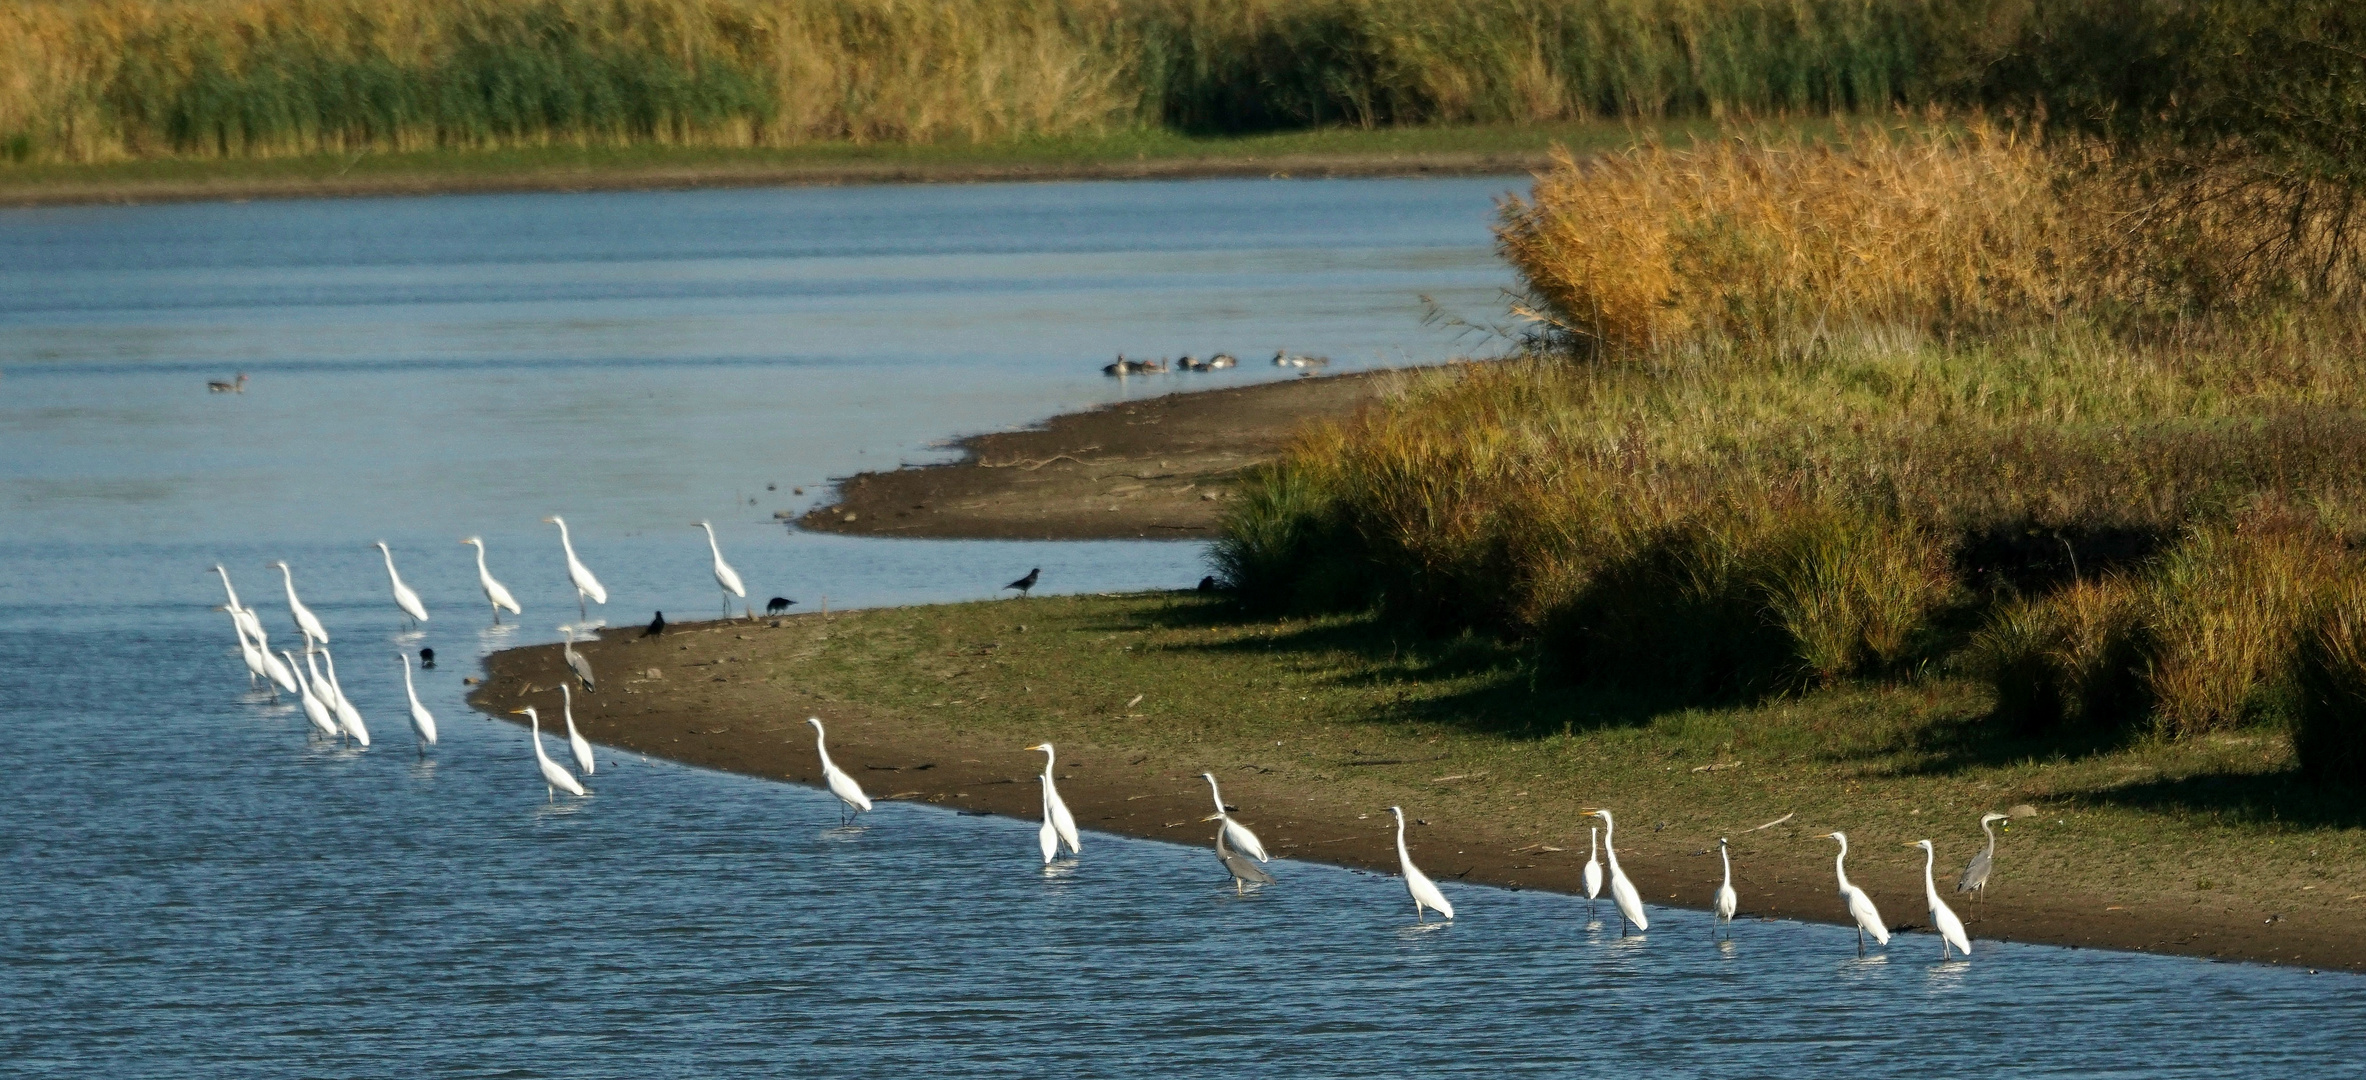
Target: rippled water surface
[[194, 888]]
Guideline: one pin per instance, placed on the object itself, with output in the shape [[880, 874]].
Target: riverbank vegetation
[[2067, 409]]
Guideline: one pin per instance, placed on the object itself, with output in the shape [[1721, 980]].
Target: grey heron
[[1975, 876], [1425, 892], [496, 593], [841, 785], [575, 661], [578, 574], [1242, 838], [1728, 901], [1244, 870], [1942, 917], [1860, 906], [555, 779], [1622, 891]]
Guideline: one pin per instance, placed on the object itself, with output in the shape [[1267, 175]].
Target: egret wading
[[422, 721], [306, 623], [725, 576], [1242, 838], [1622, 892], [246, 616], [247, 652], [496, 593], [1425, 892], [1728, 901], [555, 778], [1860, 906], [576, 743], [1055, 810], [348, 717], [841, 785], [315, 709], [1593, 867], [1047, 838], [1942, 917], [578, 574], [1975, 876], [1244, 870], [575, 660], [404, 597]]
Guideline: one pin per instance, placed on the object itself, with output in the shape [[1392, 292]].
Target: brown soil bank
[[1158, 468], [1316, 726]]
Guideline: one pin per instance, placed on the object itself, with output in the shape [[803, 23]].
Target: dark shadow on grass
[[2248, 798], [1953, 744]]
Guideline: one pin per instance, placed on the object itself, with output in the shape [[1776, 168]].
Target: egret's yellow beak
[[1213, 817]]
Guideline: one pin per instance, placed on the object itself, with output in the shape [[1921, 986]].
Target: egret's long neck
[[389, 553], [226, 588], [1929, 886], [288, 578], [1840, 864], [1610, 842], [535, 722], [1215, 794], [407, 687], [1728, 861], [1047, 763], [481, 573], [1403, 855], [565, 541], [1593, 842], [820, 747], [711, 544]]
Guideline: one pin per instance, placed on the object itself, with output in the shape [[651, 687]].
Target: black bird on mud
[[777, 605], [1028, 582], [656, 626]]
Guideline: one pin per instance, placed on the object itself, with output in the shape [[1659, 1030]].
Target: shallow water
[[194, 888]]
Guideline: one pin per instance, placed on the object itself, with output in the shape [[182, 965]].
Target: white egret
[[315, 709], [496, 593], [1975, 876], [1048, 838], [404, 597], [1244, 870], [245, 615], [841, 785], [575, 661], [1242, 838], [422, 721], [555, 778], [725, 576], [348, 717], [1622, 892], [306, 624], [576, 743], [1425, 892], [1593, 867], [1728, 901], [1860, 906], [280, 673], [1942, 917], [246, 649], [1056, 809], [578, 574]]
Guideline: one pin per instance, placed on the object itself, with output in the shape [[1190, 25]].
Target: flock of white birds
[[333, 715]]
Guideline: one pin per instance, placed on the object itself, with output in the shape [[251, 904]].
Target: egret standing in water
[[246, 616], [1728, 901], [348, 717], [725, 576], [1242, 838], [1860, 906], [1942, 917], [555, 778], [578, 574], [306, 623], [278, 674], [315, 709], [1244, 870], [247, 652], [404, 597], [841, 785], [575, 740], [422, 721], [1593, 866], [1622, 892], [496, 593], [1425, 892], [1975, 876], [1047, 838], [1055, 810]]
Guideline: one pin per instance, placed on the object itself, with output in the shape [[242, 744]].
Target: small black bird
[[779, 604], [1208, 583], [426, 658], [1028, 582], [656, 626]]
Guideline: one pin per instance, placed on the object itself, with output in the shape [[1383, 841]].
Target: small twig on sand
[[1032, 465], [1775, 822]]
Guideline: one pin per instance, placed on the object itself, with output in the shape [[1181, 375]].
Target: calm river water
[[192, 888]]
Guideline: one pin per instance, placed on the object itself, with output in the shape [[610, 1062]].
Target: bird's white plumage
[[1425, 892], [725, 576], [840, 784], [306, 623], [1622, 891], [404, 597], [422, 721], [246, 617], [1235, 833], [554, 776], [1728, 901], [1593, 864], [578, 574], [348, 717], [315, 709], [1860, 906], [247, 652], [1047, 838], [576, 743], [1056, 808], [1951, 930], [280, 673], [496, 593]]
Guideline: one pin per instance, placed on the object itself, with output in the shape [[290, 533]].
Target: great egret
[[1622, 892], [841, 785], [1244, 870], [1860, 906], [1975, 876], [315, 709], [496, 593], [278, 672], [1728, 901], [306, 624], [246, 649], [1593, 867], [1048, 838], [555, 779], [1055, 809], [422, 721], [725, 576], [404, 597], [578, 574], [575, 740], [1425, 892], [1942, 916], [245, 615], [575, 661], [348, 717], [1242, 838]]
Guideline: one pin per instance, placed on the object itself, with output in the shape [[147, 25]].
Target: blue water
[[192, 887]]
